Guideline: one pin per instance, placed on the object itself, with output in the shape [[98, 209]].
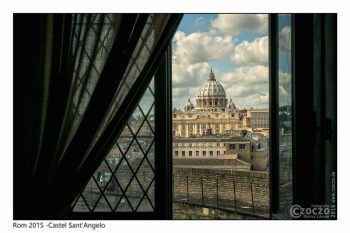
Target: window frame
[[163, 145], [311, 59]]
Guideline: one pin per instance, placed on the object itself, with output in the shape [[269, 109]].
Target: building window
[[197, 144], [211, 153], [176, 153], [242, 146], [183, 153], [174, 115], [197, 153], [190, 153], [190, 145], [204, 153], [183, 144], [217, 153], [232, 146], [211, 144]]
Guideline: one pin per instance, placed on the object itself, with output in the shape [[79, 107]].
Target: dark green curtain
[[77, 79]]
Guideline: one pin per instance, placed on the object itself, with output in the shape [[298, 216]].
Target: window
[[197, 153], [134, 158], [183, 153], [190, 153], [176, 153], [189, 144], [232, 146], [211, 153], [134, 153], [204, 153], [242, 146], [217, 153]]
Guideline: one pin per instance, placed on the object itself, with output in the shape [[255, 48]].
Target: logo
[[314, 212]]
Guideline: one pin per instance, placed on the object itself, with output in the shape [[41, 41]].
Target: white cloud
[[200, 47], [186, 80], [232, 24], [285, 40], [199, 21], [191, 55], [251, 53], [247, 86], [284, 78], [285, 88], [189, 75]]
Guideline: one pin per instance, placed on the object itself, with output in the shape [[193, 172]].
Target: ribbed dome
[[212, 88]]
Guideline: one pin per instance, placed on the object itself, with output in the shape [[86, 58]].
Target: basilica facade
[[213, 113]]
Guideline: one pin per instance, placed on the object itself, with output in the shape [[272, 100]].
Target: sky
[[235, 47]]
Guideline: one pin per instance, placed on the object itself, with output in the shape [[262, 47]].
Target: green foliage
[[216, 214], [191, 217]]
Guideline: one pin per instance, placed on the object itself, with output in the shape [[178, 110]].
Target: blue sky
[[235, 46]]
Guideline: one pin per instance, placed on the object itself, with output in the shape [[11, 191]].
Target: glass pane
[[124, 182], [220, 117], [285, 116]]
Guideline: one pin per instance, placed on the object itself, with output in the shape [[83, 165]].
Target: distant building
[[221, 148], [256, 118], [212, 112]]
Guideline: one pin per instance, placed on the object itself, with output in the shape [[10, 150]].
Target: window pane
[[285, 116], [220, 86], [124, 182]]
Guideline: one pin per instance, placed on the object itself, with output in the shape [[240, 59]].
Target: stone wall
[[239, 191], [211, 162]]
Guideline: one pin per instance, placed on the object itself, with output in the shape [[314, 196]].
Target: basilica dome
[[211, 88], [211, 95]]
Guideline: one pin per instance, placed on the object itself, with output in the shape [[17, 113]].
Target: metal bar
[[234, 194], [251, 192], [187, 188], [217, 193], [202, 190], [274, 105]]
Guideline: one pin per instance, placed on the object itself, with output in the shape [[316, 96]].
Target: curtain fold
[[88, 73]]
